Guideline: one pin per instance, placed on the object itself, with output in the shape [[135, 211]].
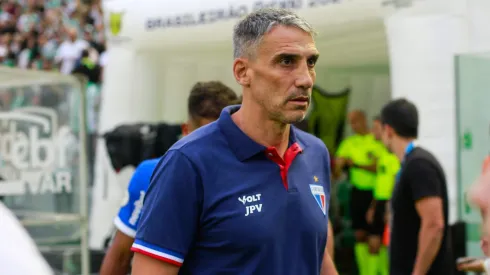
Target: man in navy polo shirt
[[247, 194]]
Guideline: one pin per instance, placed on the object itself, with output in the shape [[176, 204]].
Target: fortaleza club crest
[[319, 195]]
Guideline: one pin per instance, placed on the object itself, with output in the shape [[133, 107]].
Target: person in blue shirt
[[205, 102], [249, 193]]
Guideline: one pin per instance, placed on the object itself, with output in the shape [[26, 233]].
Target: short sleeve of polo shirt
[[129, 214], [171, 210], [424, 179]]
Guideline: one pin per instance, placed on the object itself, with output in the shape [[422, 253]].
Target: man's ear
[[185, 129], [241, 72], [391, 131]]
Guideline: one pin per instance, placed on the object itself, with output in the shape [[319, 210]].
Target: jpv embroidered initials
[[254, 208]]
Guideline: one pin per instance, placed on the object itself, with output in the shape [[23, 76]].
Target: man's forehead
[[288, 39], [356, 114]]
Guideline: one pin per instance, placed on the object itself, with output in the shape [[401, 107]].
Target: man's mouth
[[300, 100]]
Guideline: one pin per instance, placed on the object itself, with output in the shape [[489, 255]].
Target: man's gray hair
[[249, 32]]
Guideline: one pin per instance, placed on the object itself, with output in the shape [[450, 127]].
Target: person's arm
[[370, 212], [143, 264], [431, 232], [478, 195], [118, 257], [341, 158], [374, 155], [373, 167], [338, 167], [427, 193], [330, 241], [369, 168], [472, 265], [170, 217], [387, 216], [328, 266]]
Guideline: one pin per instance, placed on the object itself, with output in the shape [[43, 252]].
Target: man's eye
[[287, 61], [311, 62]]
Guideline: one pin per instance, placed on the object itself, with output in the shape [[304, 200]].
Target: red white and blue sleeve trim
[[156, 252]]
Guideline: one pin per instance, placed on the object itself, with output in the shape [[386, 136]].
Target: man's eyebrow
[[314, 56], [286, 54]]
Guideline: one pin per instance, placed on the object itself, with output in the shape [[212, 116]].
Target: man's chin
[[295, 117], [299, 106]]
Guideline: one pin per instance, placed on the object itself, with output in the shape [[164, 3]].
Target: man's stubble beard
[[296, 109], [293, 121], [284, 118]]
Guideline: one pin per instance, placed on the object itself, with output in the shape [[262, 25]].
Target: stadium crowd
[[65, 36], [51, 34]]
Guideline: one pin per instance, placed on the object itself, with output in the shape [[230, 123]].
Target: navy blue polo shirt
[[220, 203]]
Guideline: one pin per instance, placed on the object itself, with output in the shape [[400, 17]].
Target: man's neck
[[400, 147], [259, 127]]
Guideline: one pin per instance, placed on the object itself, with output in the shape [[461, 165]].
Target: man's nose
[[305, 77]]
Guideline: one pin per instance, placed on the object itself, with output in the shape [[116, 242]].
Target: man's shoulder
[[148, 165], [350, 139], [421, 154], [146, 168], [421, 157], [142, 174], [390, 158], [200, 141], [310, 141]]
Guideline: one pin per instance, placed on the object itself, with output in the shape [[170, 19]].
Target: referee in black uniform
[[419, 242]]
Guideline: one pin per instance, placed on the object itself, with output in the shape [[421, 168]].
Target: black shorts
[[359, 204], [378, 226]]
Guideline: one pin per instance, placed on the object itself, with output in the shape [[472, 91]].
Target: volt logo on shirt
[[251, 205]]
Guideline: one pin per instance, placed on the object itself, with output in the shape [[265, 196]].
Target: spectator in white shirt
[[70, 51], [18, 252]]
